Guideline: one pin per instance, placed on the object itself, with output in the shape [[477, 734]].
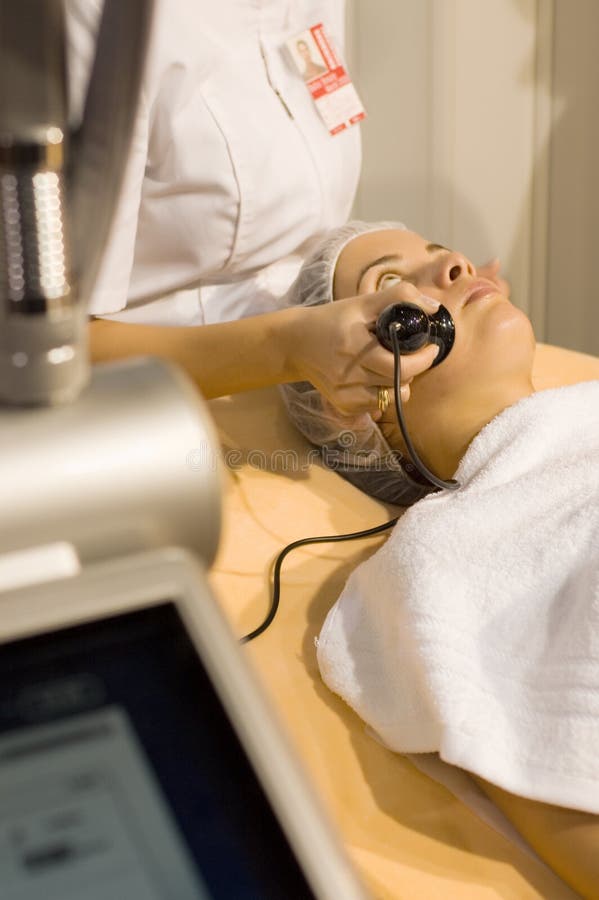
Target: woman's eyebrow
[[382, 260]]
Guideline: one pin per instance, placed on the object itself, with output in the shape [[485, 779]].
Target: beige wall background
[[481, 133]]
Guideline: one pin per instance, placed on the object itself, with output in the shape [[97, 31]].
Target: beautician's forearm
[[225, 358], [331, 345]]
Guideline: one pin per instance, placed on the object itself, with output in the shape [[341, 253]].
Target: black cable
[[451, 485], [332, 538], [276, 578]]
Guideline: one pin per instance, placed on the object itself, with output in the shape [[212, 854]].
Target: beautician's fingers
[[334, 348], [491, 270], [413, 364], [405, 392], [389, 414]]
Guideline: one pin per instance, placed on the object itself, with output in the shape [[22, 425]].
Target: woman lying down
[[474, 631]]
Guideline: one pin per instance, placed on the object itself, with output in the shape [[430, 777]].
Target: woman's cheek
[[440, 381], [506, 330]]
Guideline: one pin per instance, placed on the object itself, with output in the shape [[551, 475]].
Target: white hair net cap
[[314, 284], [352, 445]]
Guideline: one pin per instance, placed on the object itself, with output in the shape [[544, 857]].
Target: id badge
[[327, 79]]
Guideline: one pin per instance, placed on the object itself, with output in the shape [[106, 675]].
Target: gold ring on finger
[[383, 398]]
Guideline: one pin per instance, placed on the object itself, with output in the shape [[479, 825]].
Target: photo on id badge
[[308, 57]]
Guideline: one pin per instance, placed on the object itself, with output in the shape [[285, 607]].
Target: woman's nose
[[452, 267]]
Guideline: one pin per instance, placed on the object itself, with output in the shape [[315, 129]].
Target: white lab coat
[[224, 184]]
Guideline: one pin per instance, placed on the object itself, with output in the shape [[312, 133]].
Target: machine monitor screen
[[121, 775]]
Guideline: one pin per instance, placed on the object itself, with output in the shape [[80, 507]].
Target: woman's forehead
[[388, 240]]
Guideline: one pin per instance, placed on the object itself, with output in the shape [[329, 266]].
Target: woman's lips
[[479, 290]]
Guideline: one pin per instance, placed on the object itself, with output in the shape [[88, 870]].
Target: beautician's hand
[[336, 350], [490, 270]]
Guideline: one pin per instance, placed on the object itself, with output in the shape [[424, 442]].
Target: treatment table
[[407, 834]]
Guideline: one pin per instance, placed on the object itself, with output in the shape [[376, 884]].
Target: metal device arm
[[50, 251]]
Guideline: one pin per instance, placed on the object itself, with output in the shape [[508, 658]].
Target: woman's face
[[494, 344]]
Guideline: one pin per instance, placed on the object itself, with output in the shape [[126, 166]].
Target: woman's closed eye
[[387, 279]]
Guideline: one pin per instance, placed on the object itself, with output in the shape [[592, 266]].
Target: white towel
[[474, 631]]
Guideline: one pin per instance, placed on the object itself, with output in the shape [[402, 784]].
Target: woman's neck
[[443, 435]]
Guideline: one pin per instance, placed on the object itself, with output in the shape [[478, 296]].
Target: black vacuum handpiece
[[416, 329]]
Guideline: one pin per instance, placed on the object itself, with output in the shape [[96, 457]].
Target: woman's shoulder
[[556, 366]]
